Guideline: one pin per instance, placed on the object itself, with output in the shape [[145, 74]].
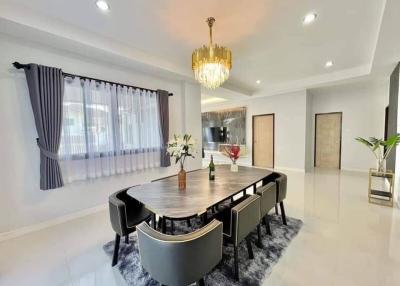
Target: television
[[216, 134]]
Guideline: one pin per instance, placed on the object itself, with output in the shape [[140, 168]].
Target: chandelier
[[211, 64]]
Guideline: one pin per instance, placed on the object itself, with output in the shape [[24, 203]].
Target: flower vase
[[381, 165], [234, 167], [182, 179]]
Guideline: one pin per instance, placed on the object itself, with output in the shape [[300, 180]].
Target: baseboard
[[28, 229], [355, 170], [245, 164], [290, 169]]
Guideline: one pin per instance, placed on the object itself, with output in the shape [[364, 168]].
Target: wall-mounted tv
[[216, 134]]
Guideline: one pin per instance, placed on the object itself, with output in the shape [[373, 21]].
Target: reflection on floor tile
[[344, 241]]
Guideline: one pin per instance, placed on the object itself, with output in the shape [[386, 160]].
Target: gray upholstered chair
[[267, 202], [178, 260], [125, 214], [239, 222], [281, 187]]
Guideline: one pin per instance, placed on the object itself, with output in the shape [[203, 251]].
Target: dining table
[[163, 197]]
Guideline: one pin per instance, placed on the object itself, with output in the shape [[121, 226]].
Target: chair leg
[[267, 225], [236, 263], [259, 242], [276, 210], [283, 213], [116, 249], [201, 282], [249, 248], [127, 239]]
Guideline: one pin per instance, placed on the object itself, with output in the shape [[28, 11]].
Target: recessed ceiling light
[[102, 5], [309, 18], [258, 81], [328, 64]]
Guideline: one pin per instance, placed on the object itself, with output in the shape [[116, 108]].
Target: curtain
[[163, 110], [108, 130], [46, 89]]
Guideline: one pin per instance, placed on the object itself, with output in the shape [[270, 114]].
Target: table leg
[[164, 225], [204, 218], [153, 221]]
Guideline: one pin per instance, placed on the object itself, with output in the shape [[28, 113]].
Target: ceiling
[[267, 37], [208, 99]]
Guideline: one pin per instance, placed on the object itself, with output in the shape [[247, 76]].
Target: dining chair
[[267, 202], [281, 187], [239, 222], [177, 260], [125, 214]]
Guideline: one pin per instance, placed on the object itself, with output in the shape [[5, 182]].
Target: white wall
[[397, 166], [192, 119], [290, 125], [363, 106], [22, 203], [309, 158]]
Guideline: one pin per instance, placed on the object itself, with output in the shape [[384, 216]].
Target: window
[[107, 129]]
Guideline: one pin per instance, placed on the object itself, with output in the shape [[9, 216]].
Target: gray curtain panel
[[163, 97], [46, 90]]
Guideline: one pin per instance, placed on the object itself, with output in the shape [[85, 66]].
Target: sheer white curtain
[[108, 130]]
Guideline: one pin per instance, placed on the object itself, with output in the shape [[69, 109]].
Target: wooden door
[[263, 140], [328, 137]]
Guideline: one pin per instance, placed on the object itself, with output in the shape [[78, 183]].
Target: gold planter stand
[[383, 196]]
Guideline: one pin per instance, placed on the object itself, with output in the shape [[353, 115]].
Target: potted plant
[[181, 147], [380, 148]]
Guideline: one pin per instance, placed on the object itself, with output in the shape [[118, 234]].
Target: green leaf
[[364, 141], [393, 140]]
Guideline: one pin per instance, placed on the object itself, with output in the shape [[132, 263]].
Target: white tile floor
[[344, 241]]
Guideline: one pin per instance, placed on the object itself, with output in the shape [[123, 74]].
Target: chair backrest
[[180, 259], [281, 183], [117, 210], [268, 197], [245, 217]]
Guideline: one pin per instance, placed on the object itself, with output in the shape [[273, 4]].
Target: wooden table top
[[164, 198]]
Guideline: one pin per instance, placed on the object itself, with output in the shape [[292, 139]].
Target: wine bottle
[[211, 167]]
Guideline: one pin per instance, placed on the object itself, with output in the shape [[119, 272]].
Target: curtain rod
[[18, 65]]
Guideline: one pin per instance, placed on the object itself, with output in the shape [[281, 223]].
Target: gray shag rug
[[252, 272]]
